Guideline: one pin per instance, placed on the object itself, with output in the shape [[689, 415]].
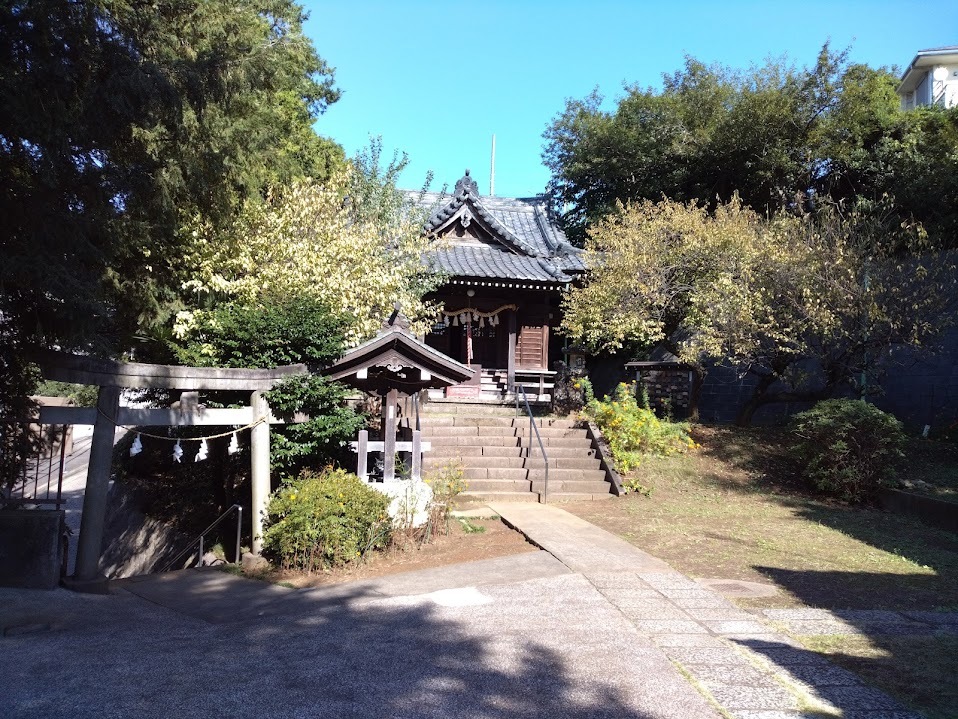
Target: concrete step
[[576, 496], [469, 496], [575, 475], [521, 421], [578, 475], [583, 443], [447, 451], [564, 486], [498, 431], [534, 462], [473, 441], [499, 485]]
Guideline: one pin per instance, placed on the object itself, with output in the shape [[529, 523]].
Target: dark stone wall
[[918, 388], [30, 548], [923, 389]]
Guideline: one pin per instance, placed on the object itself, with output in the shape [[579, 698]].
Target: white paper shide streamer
[[177, 452], [203, 452], [137, 446]]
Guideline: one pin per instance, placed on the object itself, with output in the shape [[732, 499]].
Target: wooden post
[[511, 355], [90, 541], [416, 473], [362, 469], [259, 454], [389, 435]]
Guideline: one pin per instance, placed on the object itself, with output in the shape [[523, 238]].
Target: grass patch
[[470, 528], [735, 509]]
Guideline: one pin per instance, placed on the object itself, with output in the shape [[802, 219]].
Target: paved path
[[593, 627], [514, 638], [738, 658]]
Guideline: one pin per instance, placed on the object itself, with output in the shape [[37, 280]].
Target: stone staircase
[[494, 450]]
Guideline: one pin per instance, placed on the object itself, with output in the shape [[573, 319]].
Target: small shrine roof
[[396, 359]]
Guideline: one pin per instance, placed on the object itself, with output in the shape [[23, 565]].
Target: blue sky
[[436, 80]]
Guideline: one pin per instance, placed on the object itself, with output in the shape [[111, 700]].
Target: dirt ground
[[490, 538]]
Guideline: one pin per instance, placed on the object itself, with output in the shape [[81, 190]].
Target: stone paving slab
[[705, 655], [804, 614], [670, 580], [821, 628], [703, 614], [628, 595], [786, 656], [668, 626], [653, 612], [738, 627], [689, 640], [751, 697], [822, 675], [764, 640], [696, 598], [580, 545], [728, 674]]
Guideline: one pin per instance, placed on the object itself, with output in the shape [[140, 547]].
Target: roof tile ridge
[[553, 270], [506, 233]]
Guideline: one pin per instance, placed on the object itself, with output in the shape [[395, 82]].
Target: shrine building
[[507, 265]]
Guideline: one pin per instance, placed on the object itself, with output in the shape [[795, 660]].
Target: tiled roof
[[490, 262], [525, 245]]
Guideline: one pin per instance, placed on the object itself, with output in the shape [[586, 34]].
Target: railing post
[[199, 556], [239, 528]]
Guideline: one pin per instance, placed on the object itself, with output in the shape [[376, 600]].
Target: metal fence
[[38, 481]]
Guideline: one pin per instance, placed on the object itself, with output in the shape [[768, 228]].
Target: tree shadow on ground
[[348, 653], [897, 633], [928, 558]]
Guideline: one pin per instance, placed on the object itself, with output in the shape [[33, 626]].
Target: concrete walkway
[[519, 637], [592, 627], [737, 658]]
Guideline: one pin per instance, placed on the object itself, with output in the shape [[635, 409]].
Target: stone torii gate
[[112, 377]]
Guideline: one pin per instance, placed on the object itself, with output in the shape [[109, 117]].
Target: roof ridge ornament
[[466, 184], [396, 319]]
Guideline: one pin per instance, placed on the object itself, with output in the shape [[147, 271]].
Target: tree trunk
[[695, 392], [759, 397]]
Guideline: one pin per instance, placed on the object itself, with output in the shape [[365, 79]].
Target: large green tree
[[777, 135], [124, 122]]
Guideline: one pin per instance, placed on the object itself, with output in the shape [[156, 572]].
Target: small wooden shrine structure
[[395, 362]]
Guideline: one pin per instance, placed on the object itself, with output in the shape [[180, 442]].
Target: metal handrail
[[544, 498], [199, 556]]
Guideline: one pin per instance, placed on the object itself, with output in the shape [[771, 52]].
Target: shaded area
[[832, 686], [503, 651], [911, 653]]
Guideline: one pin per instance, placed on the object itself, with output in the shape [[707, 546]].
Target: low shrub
[[632, 430], [325, 519], [447, 482], [849, 447]]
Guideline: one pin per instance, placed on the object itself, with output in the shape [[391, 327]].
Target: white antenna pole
[[492, 169]]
